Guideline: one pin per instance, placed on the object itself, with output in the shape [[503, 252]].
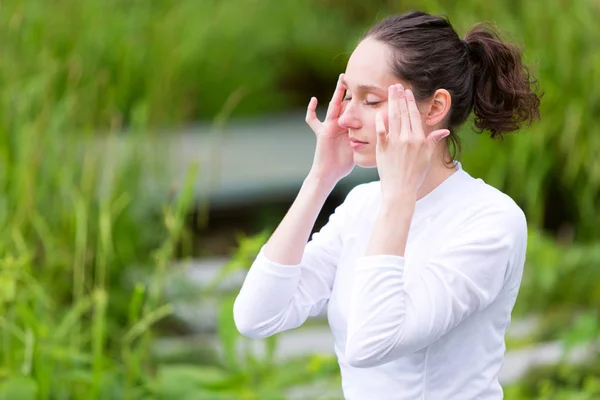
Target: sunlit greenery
[[84, 247]]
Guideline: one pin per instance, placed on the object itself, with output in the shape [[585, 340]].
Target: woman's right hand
[[333, 158]]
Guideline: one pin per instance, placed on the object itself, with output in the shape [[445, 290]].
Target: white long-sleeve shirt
[[428, 325]]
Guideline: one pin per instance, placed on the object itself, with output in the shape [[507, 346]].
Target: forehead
[[369, 64]]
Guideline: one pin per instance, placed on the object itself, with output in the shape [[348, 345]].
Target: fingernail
[[409, 94]]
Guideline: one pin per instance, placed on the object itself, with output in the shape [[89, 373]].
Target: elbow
[[367, 347], [363, 355], [246, 325], [372, 351], [359, 360], [248, 330]]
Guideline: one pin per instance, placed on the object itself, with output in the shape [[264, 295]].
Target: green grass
[[78, 222], [68, 312], [106, 65]]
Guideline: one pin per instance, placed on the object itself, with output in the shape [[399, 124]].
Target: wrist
[[397, 209], [391, 227], [321, 179], [320, 184], [399, 198]]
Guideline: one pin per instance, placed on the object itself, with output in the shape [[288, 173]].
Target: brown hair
[[482, 73]]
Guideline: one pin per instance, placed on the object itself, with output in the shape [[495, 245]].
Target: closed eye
[[368, 103]]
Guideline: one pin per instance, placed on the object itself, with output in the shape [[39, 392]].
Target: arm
[[286, 245], [291, 279], [390, 317], [390, 231]]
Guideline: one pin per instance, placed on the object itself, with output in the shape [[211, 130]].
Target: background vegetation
[[84, 249]]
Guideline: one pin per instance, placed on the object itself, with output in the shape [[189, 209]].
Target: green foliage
[[243, 371], [559, 276], [120, 64], [70, 328], [18, 387], [559, 381], [76, 216], [246, 368], [112, 63]]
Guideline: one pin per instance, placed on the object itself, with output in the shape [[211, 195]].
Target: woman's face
[[366, 81]]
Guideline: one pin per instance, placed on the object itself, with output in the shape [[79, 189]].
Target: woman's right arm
[[290, 278], [286, 245]]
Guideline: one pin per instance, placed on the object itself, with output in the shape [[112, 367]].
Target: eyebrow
[[366, 88]]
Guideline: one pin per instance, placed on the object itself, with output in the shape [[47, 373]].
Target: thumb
[[382, 137], [436, 136]]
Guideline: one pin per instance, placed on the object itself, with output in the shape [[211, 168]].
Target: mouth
[[356, 144]]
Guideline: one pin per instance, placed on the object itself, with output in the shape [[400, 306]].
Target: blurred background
[[148, 149]]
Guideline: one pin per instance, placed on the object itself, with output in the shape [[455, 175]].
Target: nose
[[348, 118]]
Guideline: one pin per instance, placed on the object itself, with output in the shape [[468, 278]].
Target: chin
[[365, 160]]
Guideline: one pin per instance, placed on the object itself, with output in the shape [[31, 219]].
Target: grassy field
[[76, 322]]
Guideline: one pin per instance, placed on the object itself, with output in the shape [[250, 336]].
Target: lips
[[357, 144], [352, 140]]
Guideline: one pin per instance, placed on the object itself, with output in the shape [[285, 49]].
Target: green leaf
[[179, 381], [271, 348], [18, 387], [586, 330], [228, 334]]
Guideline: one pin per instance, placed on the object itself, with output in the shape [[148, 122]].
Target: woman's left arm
[[390, 317]]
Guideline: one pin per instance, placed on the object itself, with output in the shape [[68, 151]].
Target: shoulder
[[491, 225], [487, 199], [489, 212]]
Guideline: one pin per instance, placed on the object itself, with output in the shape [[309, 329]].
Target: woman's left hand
[[403, 152]]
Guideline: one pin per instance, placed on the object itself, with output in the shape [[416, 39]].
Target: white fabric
[[429, 325]]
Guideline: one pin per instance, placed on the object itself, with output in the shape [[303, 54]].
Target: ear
[[439, 107]]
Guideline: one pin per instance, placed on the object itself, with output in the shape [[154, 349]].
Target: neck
[[438, 172]]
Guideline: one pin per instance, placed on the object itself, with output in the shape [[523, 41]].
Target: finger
[[393, 112], [404, 116], [311, 115], [335, 105], [434, 138], [416, 126], [437, 136], [380, 129]]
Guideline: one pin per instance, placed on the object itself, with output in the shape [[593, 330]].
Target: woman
[[421, 269]]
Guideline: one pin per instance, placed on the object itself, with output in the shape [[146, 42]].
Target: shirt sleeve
[[391, 317], [276, 297]]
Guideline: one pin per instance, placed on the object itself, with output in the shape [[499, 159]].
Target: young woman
[[421, 269]]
